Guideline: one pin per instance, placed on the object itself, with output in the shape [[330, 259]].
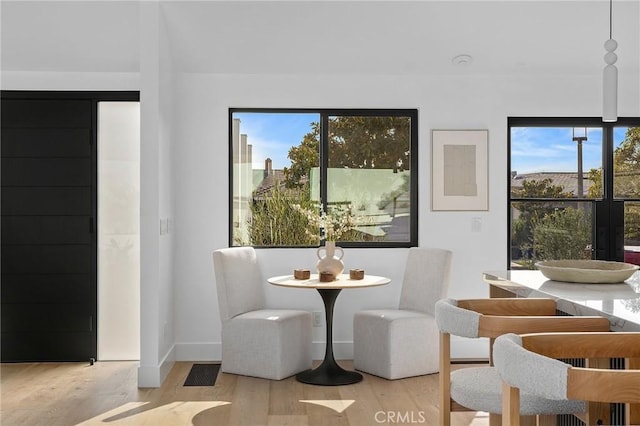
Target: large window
[[574, 190], [302, 176]]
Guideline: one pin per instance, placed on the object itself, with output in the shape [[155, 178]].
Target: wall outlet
[[476, 224], [164, 223], [318, 319]]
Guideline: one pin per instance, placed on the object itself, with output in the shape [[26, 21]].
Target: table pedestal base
[[329, 374]]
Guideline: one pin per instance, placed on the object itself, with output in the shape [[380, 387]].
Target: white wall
[[156, 207], [473, 102]]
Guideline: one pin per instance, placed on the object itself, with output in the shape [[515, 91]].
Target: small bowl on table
[[356, 274], [326, 277], [301, 274]]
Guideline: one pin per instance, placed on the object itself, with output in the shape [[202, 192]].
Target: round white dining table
[[329, 373]]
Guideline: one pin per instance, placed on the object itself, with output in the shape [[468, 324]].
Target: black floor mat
[[202, 375]]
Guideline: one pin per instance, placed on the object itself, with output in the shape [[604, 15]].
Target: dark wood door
[[49, 251]]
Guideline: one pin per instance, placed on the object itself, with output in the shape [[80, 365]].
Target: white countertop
[[619, 302]]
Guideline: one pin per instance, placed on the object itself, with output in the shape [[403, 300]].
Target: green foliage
[[595, 190], [303, 158], [281, 219], [274, 220], [632, 223], [369, 142], [626, 182], [627, 164], [542, 188], [563, 234], [531, 212], [626, 168], [354, 142]]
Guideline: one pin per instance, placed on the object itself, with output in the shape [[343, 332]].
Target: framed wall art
[[459, 170]]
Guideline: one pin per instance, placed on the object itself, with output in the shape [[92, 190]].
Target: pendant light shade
[[610, 76]]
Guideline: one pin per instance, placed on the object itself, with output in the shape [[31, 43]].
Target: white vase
[[330, 258]]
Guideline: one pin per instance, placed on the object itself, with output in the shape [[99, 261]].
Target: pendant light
[[610, 75]]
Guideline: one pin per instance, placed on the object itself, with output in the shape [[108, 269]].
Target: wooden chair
[[479, 388], [528, 363]]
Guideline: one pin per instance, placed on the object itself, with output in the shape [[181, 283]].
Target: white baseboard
[[460, 348], [153, 376], [213, 351], [199, 352]]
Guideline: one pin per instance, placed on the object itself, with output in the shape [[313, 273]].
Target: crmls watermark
[[400, 417]]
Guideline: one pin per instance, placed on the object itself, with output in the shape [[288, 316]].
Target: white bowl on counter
[[586, 271]]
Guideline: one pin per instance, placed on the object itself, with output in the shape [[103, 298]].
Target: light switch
[[476, 224]]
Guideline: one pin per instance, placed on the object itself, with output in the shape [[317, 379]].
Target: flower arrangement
[[332, 225]]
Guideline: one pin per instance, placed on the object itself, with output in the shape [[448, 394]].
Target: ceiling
[[69, 36], [326, 37]]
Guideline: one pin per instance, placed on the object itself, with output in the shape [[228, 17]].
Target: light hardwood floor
[[107, 394]]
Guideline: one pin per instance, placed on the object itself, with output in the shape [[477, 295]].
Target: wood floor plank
[[287, 420], [284, 398], [107, 393], [423, 392], [250, 402], [323, 412], [366, 405]]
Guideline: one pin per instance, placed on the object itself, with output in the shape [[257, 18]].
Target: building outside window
[[574, 190], [291, 166]]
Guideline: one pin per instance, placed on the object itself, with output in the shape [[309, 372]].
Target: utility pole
[[579, 137]]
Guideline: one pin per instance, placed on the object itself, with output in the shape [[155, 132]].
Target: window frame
[[606, 205], [324, 114]]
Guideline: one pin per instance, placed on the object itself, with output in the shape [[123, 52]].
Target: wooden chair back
[[586, 383]]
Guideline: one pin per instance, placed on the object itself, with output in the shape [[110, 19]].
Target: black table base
[[329, 373]]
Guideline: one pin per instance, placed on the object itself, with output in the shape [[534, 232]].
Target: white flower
[[332, 225]]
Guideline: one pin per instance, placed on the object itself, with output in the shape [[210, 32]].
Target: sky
[[533, 149], [273, 134], [539, 149]]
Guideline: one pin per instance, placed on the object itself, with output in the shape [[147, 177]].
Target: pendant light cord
[[610, 19]]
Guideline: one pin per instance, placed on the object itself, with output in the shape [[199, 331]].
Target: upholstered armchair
[[257, 340]]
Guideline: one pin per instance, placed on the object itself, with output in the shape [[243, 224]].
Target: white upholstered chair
[[529, 364], [480, 388], [256, 340], [403, 342]]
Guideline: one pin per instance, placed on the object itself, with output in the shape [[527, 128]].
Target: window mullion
[[324, 158], [607, 155]]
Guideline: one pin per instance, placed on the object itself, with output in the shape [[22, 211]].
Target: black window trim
[[607, 156], [324, 114]]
